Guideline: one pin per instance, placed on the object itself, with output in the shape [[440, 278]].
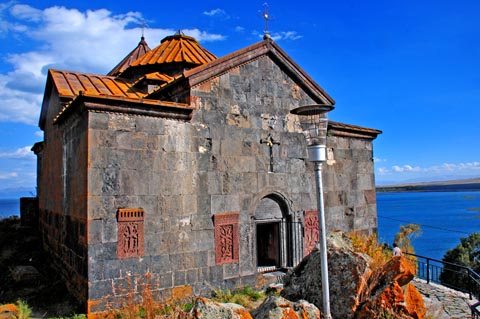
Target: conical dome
[[175, 54], [141, 49]]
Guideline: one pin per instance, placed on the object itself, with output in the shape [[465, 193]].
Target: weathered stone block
[[111, 269], [165, 280], [95, 231], [121, 122], [109, 230], [230, 270], [192, 276], [179, 277], [96, 272], [98, 121], [99, 289], [217, 204]]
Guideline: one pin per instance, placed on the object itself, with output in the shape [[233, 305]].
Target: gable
[[258, 94], [266, 48]]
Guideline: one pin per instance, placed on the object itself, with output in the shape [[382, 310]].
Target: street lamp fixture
[[314, 123]]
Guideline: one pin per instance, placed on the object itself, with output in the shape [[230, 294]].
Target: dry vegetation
[[369, 245]]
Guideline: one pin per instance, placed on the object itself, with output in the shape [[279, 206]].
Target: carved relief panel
[[312, 232], [226, 238], [130, 233]]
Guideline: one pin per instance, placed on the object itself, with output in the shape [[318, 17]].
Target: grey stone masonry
[[199, 182]]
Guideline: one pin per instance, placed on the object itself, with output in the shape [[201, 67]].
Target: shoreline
[[420, 188], [466, 185]]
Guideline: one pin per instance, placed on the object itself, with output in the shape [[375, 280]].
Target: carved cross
[[269, 141]]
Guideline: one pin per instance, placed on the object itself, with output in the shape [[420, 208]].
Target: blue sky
[[409, 68]]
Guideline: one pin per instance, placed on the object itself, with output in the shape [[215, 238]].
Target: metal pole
[[323, 241]]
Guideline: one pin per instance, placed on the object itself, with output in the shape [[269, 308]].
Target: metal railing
[[450, 275]]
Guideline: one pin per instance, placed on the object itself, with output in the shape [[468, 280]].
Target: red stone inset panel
[[312, 233], [226, 238], [130, 233]]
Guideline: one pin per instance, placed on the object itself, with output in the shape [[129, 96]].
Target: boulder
[[390, 292], [275, 307], [348, 275], [207, 309], [393, 301], [356, 291]]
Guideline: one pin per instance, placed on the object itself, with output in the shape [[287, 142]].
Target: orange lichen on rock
[[391, 293], [8, 311], [400, 270], [414, 300]]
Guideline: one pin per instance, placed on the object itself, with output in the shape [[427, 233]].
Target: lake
[[9, 207], [444, 218]]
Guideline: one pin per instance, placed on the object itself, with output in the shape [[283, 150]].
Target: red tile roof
[[177, 48], [71, 84], [141, 49]]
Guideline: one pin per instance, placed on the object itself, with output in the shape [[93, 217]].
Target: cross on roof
[[266, 17]]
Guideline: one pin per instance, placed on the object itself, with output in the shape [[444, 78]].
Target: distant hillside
[[463, 185]]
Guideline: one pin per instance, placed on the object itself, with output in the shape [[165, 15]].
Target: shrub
[[369, 245], [24, 310], [467, 253]]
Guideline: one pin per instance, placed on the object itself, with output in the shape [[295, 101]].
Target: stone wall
[[349, 184], [194, 182], [178, 203], [62, 197], [157, 166]]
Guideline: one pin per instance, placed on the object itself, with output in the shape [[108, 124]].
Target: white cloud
[[26, 12], [406, 168], [446, 169], [66, 39], [20, 153], [216, 13], [4, 176], [203, 36], [286, 35], [383, 171]]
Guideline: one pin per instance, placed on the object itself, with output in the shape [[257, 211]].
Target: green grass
[[245, 296]]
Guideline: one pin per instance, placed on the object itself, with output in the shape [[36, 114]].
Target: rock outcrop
[[207, 309], [280, 308], [389, 292], [356, 291], [273, 307], [348, 272]]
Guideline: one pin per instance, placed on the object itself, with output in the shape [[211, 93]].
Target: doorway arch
[[273, 229]]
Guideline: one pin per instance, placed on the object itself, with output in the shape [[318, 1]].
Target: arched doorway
[[274, 239]]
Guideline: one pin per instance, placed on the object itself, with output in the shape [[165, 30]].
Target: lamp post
[[314, 122]]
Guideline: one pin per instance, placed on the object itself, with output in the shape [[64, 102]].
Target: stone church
[[190, 168]]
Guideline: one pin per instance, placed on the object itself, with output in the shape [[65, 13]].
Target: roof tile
[[71, 84], [177, 48], [141, 49]]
